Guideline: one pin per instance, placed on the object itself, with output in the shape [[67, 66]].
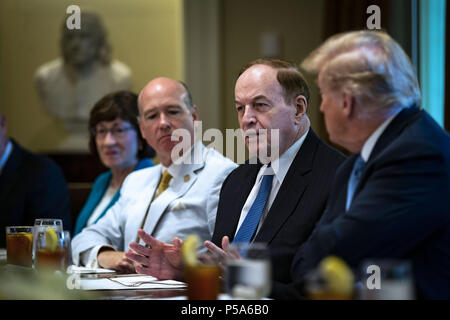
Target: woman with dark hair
[[116, 139]]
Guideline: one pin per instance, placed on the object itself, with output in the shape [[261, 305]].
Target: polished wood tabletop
[[141, 294]]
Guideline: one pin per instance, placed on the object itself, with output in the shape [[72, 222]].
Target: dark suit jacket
[[401, 207], [31, 186], [298, 205]]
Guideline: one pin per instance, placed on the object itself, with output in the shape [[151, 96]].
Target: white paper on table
[[77, 269], [125, 283]]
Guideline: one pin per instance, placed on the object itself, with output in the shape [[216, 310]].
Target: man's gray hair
[[369, 65], [187, 98]]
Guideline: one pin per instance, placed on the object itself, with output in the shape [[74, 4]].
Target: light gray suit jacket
[[188, 206]]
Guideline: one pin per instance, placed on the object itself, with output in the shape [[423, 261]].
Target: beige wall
[[204, 42], [145, 35], [300, 24]]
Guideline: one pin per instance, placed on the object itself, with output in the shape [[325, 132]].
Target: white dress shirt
[[188, 206], [370, 143], [279, 169], [106, 199]]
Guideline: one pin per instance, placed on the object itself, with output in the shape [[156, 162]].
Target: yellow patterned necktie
[[164, 183]]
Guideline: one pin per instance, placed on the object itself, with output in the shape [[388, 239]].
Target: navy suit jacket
[[298, 205], [400, 209], [31, 186]]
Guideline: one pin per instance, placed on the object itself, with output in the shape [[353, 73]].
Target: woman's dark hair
[[123, 105]]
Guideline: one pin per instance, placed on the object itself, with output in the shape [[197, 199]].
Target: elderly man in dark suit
[[269, 94], [390, 200], [31, 186]]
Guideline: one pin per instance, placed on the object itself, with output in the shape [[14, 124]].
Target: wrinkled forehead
[[258, 80], [159, 96]]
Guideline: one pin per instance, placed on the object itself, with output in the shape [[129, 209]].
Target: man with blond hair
[[390, 200]]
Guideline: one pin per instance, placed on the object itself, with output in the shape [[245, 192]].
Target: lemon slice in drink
[[338, 275], [189, 249], [51, 239]]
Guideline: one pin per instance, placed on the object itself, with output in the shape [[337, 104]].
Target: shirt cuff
[[89, 257]]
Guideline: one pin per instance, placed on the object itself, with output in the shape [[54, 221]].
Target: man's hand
[[115, 260], [158, 259], [223, 252]]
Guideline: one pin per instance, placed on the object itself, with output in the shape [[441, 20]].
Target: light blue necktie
[[251, 221], [355, 176]]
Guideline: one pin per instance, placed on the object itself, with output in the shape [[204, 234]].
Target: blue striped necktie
[[353, 181], [248, 227]]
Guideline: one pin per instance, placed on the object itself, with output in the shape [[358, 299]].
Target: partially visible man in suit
[[31, 186], [390, 200], [269, 94], [173, 199]]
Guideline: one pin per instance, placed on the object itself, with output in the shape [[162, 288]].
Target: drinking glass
[[386, 279], [248, 271], [40, 225], [44, 223], [67, 244], [19, 245], [204, 279], [52, 250]]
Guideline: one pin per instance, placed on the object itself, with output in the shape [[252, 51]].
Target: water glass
[[248, 271], [386, 279]]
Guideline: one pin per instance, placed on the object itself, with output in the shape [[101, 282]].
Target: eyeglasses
[[116, 132]]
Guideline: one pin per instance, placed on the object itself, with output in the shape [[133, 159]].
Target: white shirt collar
[[370, 143], [6, 154], [281, 165]]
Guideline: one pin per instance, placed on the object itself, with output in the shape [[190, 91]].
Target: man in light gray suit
[[173, 199]]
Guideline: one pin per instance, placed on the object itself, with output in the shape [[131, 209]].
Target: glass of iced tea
[[40, 225], [204, 279], [43, 223], [52, 250], [19, 245]]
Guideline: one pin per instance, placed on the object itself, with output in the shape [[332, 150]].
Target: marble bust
[[69, 86]]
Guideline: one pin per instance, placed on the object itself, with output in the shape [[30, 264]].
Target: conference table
[[94, 284], [106, 285]]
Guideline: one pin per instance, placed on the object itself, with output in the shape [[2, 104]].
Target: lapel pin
[[187, 178]]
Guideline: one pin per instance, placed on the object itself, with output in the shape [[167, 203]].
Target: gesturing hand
[[115, 260], [223, 252], [160, 260]]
